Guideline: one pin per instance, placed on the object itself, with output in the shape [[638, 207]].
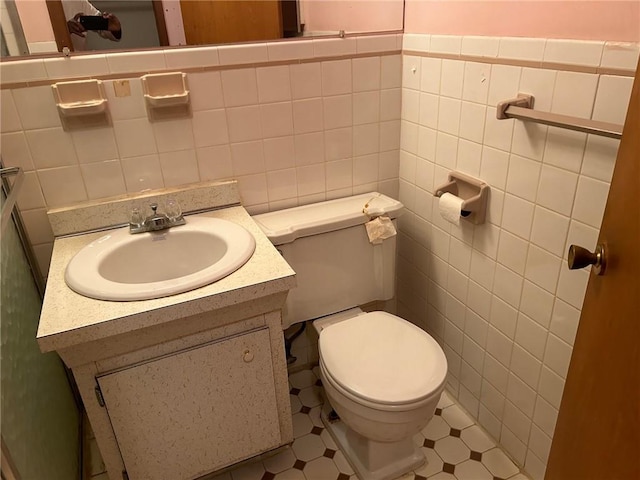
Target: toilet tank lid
[[284, 226]]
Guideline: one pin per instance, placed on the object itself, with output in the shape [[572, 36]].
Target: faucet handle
[[173, 209], [137, 219], [154, 207]]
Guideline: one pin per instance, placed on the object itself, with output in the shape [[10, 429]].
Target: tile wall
[[294, 122], [498, 296], [298, 122]]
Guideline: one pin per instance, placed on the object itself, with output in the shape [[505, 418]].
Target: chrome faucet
[[156, 221]]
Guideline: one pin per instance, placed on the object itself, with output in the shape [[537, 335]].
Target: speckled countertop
[[69, 319]]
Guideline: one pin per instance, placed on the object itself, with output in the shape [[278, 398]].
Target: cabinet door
[[184, 415]]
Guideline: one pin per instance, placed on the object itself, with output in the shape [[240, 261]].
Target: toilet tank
[[327, 245]]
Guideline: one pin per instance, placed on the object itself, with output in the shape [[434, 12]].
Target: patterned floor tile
[[472, 470], [445, 400], [407, 476], [311, 396], [314, 415], [436, 429], [443, 476], [301, 425], [477, 456], [280, 462], [295, 403], [343, 465], [452, 450], [519, 476], [448, 467], [433, 464], [308, 447], [476, 439], [328, 439], [302, 379], [498, 463], [290, 475], [322, 468], [456, 418], [455, 448]]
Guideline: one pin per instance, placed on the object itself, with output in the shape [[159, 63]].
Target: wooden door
[[221, 21], [59, 24], [597, 435]]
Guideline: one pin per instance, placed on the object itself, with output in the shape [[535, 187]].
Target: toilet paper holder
[[472, 190]]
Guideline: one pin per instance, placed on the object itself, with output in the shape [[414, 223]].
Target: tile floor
[[455, 447]]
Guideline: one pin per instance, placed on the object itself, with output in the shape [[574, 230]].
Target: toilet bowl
[[383, 376]]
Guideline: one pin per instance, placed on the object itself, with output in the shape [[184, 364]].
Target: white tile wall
[[576, 52], [509, 350], [522, 48], [290, 134], [620, 55], [81, 66], [103, 179], [248, 53], [497, 296], [36, 107], [24, 71], [240, 87]]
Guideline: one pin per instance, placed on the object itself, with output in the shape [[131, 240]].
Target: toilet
[[382, 375]]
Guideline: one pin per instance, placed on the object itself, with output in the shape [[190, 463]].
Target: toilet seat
[[390, 408], [382, 360]]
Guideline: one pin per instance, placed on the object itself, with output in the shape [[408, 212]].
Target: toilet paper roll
[[450, 208]]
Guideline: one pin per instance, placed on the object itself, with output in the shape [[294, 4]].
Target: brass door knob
[[581, 257]]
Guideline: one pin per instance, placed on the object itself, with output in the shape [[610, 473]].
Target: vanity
[[180, 386]]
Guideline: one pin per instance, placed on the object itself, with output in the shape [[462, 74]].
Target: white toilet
[[382, 375]]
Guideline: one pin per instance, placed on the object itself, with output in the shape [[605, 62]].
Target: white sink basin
[[122, 267]]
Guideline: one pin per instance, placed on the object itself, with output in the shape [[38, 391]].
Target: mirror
[[42, 24]]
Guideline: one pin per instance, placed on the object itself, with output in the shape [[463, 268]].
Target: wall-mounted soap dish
[[81, 104], [166, 95], [474, 193]]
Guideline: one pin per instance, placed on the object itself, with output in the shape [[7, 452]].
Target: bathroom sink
[[124, 267]]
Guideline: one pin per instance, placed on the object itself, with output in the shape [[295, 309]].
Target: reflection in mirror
[[138, 19], [12, 40], [158, 23]]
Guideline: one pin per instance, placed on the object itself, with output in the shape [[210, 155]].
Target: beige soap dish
[[166, 95], [81, 104]]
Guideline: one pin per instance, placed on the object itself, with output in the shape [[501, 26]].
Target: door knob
[[581, 257]]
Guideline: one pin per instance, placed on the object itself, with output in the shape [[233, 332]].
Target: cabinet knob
[[580, 257], [247, 356]]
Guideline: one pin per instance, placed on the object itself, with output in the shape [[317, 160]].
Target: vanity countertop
[[69, 319]]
